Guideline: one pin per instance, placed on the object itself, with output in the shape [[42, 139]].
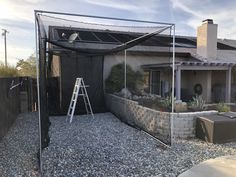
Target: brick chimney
[[207, 39]]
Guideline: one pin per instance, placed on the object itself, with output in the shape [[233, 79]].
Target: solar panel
[[87, 36], [224, 46], [104, 37], [123, 38], [119, 37]]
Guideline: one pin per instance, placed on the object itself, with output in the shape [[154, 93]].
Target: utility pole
[[4, 34]]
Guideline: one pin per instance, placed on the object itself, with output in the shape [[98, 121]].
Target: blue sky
[[17, 16]]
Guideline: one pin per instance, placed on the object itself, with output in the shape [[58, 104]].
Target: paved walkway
[[219, 167]]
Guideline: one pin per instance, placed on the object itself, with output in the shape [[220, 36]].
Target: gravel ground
[[104, 146], [19, 147]]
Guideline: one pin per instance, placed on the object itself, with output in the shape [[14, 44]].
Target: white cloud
[[114, 4], [18, 17], [138, 7], [182, 6], [224, 16]]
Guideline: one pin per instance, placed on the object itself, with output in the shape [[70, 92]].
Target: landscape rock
[[181, 106], [104, 146]]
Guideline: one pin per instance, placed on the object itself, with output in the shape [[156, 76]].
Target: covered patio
[[192, 77]]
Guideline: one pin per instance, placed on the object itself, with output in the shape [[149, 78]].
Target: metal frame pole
[[38, 92], [125, 72], [101, 17], [173, 84]]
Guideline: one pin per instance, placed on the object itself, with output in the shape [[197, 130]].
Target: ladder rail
[[79, 86], [84, 98], [74, 97], [88, 101]]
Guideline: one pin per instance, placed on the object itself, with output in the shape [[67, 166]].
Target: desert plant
[[115, 80], [8, 71], [167, 103], [197, 104], [222, 107]]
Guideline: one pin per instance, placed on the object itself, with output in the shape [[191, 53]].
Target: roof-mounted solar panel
[[104, 37], [87, 36], [123, 38]]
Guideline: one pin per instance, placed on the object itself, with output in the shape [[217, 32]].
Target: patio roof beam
[[194, 67]]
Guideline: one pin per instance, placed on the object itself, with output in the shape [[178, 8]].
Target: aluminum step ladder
[[79, 90]]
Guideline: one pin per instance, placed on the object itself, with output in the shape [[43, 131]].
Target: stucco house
[[203, 64]]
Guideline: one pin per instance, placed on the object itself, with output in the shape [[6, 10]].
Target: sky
[[17, 16]]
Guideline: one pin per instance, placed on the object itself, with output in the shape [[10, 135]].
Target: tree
[[27, 67], [115, 81], [7, 71]]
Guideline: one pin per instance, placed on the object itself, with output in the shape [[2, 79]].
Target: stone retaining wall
[[184, 124], [155, 122]]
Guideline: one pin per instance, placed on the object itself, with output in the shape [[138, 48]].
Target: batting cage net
[[126, 63]]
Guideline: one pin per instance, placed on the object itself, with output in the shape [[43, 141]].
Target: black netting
[[72, 46]]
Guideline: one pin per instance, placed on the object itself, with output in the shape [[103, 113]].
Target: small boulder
[[180, 106], [126, 93]]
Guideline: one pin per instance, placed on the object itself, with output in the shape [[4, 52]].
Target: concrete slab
[[219, 167]]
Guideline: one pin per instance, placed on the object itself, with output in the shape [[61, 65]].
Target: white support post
[[209, 86], [228, 85], [173, 86], [125, 72], [178, 84]]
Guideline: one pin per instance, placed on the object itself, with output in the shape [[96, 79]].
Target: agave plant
[[197, 104]]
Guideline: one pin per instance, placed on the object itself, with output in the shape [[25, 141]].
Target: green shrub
[[115, 81], [197, 104], [8, 71], [222, 107]]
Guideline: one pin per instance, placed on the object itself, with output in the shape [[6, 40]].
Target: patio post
[[228, 85], [178, 84], [209, 86]]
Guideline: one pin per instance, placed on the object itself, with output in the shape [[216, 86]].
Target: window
[[146, 80], [155, 82]]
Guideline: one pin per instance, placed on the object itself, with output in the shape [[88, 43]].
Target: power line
[[4, 34]]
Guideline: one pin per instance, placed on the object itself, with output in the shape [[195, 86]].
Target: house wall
[[218, 86], [55, 66], [191, 78], [213, 84], [135, 61]]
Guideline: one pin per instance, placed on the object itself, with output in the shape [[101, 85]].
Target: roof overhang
[[188, 65]]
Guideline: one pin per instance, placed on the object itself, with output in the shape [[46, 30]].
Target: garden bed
[[157, 123]]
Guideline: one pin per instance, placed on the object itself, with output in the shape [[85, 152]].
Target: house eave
[[188, 65]]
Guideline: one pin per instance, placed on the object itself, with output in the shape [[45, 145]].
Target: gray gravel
[[19, 147], [104, 146]]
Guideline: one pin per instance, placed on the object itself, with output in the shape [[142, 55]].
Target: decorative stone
[[181, 106], [126, 93]]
